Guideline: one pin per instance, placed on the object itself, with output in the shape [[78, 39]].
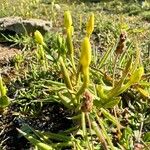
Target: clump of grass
[[146, 15]]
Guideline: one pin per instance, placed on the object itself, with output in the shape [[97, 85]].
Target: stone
[[20, 26], [57, 7]]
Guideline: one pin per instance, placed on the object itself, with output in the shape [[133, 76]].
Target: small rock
[[20, 26], [138, 146], [57, 7]]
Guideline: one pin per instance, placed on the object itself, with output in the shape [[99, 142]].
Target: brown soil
[[7, 52]]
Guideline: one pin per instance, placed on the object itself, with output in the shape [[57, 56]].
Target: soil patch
[[53, 118], [7, 53]]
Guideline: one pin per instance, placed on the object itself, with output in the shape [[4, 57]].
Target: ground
[[7, 53]]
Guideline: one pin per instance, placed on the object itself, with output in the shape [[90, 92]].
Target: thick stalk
[[99, 135], [66, 75]]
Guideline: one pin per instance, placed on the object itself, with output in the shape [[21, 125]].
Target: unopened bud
[[67, 19], [87, 104], [85, 58], [121, 43], [90, 25], [38, 37]]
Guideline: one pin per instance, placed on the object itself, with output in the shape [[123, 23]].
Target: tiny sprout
[[67, 19]]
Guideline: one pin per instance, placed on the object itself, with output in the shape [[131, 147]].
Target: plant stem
[[85, 131], [66, 76], [100, 135], [114, 69], [105, 132], [90, 127], [118, 125]]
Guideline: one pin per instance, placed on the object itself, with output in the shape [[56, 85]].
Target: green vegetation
[[4, 100], [95, 63]]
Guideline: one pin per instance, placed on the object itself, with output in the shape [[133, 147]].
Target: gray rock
[[20, 26]]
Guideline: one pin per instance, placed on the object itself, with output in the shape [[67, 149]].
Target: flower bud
[[69, 41], [85, 58], [121, 44], [67, 19], [90, 25], [38, 37], [87, 103]]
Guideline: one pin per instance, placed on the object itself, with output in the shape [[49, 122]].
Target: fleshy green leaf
[[4, 101], [108, 103], [34, 141]]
